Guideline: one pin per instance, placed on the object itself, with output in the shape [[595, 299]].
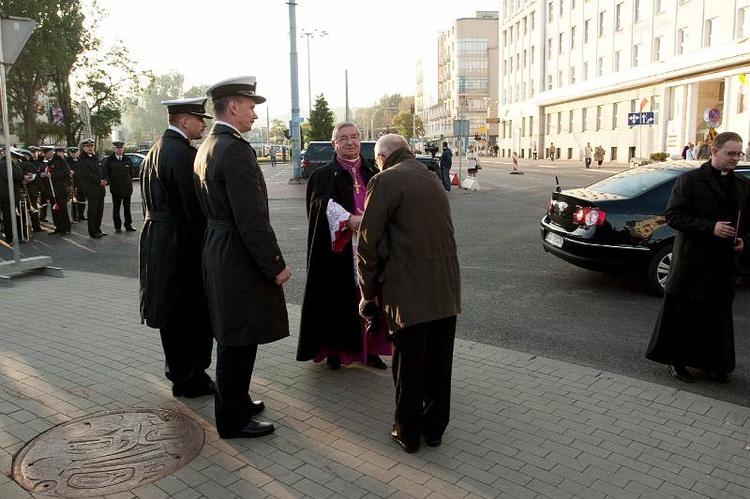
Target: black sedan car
[[617, 225]]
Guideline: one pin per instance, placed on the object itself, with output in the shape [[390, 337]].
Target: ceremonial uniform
[[91, 179], [119, 171], [172, 295]]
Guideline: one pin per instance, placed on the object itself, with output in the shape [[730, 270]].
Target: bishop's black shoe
[[130, 228], [681, 373], [334, 362], [194, 390], [375, 361], [256, 407]]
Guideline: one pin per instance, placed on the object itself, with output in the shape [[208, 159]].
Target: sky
[[373, 44]]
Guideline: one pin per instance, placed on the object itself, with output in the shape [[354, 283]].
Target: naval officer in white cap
[[243, 267], [172, 296]]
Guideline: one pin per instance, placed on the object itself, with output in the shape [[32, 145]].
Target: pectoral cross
[[357, 185]]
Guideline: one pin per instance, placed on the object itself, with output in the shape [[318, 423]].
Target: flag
[[743, 78], [643, 103]]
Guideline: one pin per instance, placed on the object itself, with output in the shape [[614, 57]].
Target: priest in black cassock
[[709, 209], [330, 326]]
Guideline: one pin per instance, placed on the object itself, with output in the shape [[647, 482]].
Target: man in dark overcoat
[[171, 278], [92, 181], [421, 288], [78, 201], [709, 208], [119, 171], [335, 198], [242, 264]]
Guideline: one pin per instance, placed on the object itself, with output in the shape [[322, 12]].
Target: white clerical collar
[[172, 127], [219, 122]]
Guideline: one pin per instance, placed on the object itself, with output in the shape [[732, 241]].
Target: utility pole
[[294, 124]]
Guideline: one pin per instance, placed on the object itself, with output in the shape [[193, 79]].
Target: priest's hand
[[354, 221], [284, 276]]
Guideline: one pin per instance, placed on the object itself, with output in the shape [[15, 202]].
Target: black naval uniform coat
[[330, 283], [171, 280], [119, 175], [90, 174], [241, 257]]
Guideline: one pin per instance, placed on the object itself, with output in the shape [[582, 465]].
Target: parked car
[[320, 152], [136, 158], [617, 225], [432, 163]]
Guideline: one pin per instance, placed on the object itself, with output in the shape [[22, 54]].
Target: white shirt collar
[[219, 122], [172, 127]]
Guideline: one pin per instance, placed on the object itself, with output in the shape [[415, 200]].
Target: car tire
[[658, 270]]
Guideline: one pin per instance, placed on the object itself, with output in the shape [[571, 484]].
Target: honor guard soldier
[[173, 298], [6, 209], [56, 175], [92, 179], [119, 171], [77, 197], [32, 186], [242, 264]]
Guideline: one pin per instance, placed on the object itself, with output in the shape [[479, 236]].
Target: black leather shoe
[[376, 362], [257, 407], [193, 391], [433, 442], [681, 373], [102, 233], [253, 429], [409, 447], [334, 363], [98, 235], [130, 229], [718, 378], [118, 230]]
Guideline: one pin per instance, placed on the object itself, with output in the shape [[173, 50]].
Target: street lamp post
[[310, 34]]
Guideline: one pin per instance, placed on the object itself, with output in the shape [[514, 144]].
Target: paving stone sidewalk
[[522, 426]]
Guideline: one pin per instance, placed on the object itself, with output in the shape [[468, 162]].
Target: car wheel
[[658, 270]]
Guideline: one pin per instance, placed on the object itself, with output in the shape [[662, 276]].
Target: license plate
[[554, 239]]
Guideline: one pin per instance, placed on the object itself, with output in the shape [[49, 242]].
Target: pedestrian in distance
[[599, 155], [335, 202], [446, 162], [172, 295], [587, 154], [417, 284], [709, 209], [92, 180], [119, 171], [243, 268], [552, 151], [690, 152], [272, 155]]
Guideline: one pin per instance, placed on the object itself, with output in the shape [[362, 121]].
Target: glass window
[[573, 37], [570, 120], [602, 18], [635, 181], [572, 75], [616, 61], [711, 32], [599, 117], [636, 55], [615, 115], [618, 16], [637, 10], [682, 40], [584, 119], [550, 12], [586, 30], [585, 72], [549, 124], [560, 43], [743, 22], [600, 66], [559, 122], [657, 48]]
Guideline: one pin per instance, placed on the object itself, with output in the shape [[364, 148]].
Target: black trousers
[[232, 403], [6, 213], [187, 353], [422, 366], [60, 216], [123, 201], [95, 215]]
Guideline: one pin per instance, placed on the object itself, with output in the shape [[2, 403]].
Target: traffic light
[[411, 109]]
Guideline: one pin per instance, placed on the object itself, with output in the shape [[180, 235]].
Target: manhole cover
[[107, 452]]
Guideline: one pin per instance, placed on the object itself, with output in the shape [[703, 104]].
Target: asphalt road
[[515, 295]]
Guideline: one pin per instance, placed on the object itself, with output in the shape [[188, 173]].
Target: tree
[[46, 61], [147, 117], [277, 131], [405, 124], [321, 120], [106, 83]]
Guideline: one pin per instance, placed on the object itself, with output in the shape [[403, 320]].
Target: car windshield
[[633, 182]]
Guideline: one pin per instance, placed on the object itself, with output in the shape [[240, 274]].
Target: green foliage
[[147, 117], [406, 124], [659, 156], [321, 120], [277, 131]]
